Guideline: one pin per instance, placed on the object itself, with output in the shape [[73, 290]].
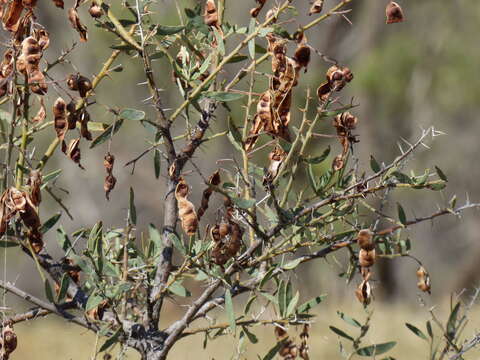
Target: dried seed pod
[[73, 152], [423, 280], [213, 180], [288, 349], [37, 83], [72, 82], [277, 157], [215, 233], [97, 312], [364, 239], [15, 201], [30, 216], [235, 242], [60, 118], [8, 339], [110, 180], [364, 292], [108, 162], [255, 11], [109, 185], [211, 15], [35, 181], [84, 132], [303, 349], [317, 7], [338, 163], [43, 38], [59, 3], [11, 17], [345, 122], [224, 229], [35, 238], [394, 13], [366, 258], [77, 25], [95, 10], [186, 210], [42, 112], [84, 86], [302, 56], [323, 91]]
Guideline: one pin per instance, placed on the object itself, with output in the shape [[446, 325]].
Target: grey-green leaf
[[230, 311], [107, 133], [416, 331], [341, 333], [132, 114], [377, 349]]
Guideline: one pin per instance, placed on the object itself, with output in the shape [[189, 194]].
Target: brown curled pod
[[41, 113], [108, 162], [95, 10], [59, 3], [211, 15], [73, 152], [35, 238], [43, 38], [11, 16], [15, 201], [224, 229], [9, 340], [424, 283], [37, 83], [77, 24], [364, 292], [323, 91], [35, 181], [302, 56], [338, 163], [207, 193], [255, 11], [215, 233], [84, 132], [186, 210], [365, 240], [60, 118], [366, 258], [316, 7], [109, 185], [394, 13]]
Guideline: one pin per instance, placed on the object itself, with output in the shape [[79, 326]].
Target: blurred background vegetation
[[408, 76]]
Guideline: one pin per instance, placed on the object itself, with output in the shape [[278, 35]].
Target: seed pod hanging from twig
[[8, 341], [95, 10], [60, 118], [11, 17], [303, 349], [35, 181], [364, 291], [186, 210], [288, 349], [73, 152], [423, 280], [42, 112], [213, 180], [364, 239], [317, 7], [255, 11], [77, 24], [394, 13], [110, 180], [211, 15]]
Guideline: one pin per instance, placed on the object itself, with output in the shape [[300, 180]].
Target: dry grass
[[45, 338]]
